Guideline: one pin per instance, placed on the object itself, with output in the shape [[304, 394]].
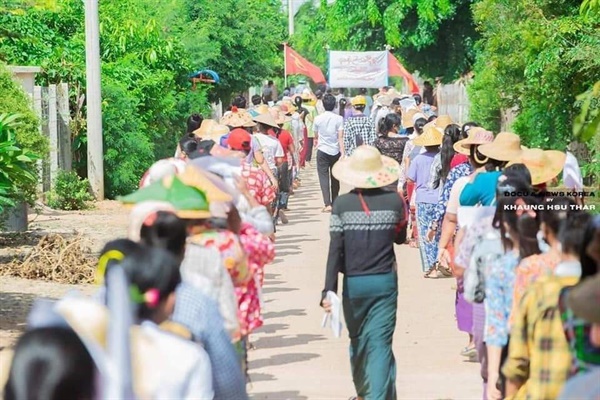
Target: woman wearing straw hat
[[482, 189], [425, 198], [365, 224]]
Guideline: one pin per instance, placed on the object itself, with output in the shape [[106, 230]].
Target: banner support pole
[[285, 65]]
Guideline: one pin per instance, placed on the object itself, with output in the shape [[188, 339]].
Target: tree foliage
[[434, 37], [148, 50], [535, 56]]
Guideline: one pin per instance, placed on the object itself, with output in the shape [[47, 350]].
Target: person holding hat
[[482, 189], [425, 198], [539, 359], [365, 224], [358, 129]]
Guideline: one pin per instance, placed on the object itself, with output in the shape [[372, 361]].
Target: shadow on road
[[287, 313], [275, 342], [284, 395], [282, 359]]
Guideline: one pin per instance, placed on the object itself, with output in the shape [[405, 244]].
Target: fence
[[52, 106]]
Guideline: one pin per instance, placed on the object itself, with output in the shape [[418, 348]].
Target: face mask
[[544, 247]]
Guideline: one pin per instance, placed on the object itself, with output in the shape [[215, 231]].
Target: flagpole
[[387, 48], [285, 64]]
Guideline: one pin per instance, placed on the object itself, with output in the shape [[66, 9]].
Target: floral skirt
[[427, 249]]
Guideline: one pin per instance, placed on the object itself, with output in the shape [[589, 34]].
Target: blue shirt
[[201, 316], [481, 191]]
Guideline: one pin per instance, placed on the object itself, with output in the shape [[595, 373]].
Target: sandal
[[326, 209], [432, 273], [413, 243], [445, 271]]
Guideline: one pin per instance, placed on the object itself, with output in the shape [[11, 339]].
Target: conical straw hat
[[266, 119], [431, 136], [279, 116], [443, 121], [366, 168], [238, 118], [407, 117], [505, 147], [542, 165]]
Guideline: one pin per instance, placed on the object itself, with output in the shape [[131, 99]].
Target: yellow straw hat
[[238, 118], [279, 116], [542, 165], [505, 147], [477, 136], [266, 119], [431, 136], [211, 130], [366, 168], [262, 109], [408, 118], [442, 121]]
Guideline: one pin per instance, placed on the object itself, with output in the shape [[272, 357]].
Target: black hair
[[50, 363], [504, 203], [396, 101], [419, 124], [239, 102], [269, 82], [363, 91], [432, 148], [555, 212], [193, 122], [572, 230], [518, 171], [528, 226], [256, 99], [451, 136], [319, 94], [589, 267], [188, 143], [477, 159], [432, 118], [387, 124], [359, 107], [343, 104], [149, 268], [466, 126], [427, 93], [329, 102], [168, 232], [418, 98], [298, 101]]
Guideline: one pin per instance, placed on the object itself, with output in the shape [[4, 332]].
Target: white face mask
[[544, 247]]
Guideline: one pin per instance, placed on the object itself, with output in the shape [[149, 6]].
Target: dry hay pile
[[55, 258]]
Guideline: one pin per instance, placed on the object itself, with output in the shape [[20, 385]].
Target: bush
[[70, 192]]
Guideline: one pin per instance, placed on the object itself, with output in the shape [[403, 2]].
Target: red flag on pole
[[296, 64], [397, 69]]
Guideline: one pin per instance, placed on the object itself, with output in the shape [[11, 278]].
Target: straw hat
[[366, 168], [442, 121], [188, 201], [279, 116], [385, 100], [193, 176], [417, 116], [542, 165], [211, 130], [266, 119], [288, 108], [431, 136], [237, 118], [408, 120], [505, 147], [476, 137]]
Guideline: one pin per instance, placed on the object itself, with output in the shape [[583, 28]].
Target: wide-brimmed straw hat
[[442, 121], [431, 136], [211, 130], [189, 202], [366, 168], [266, 119], [505, 147], [279, 116], [477, 136], [408, 120], [542, 165], [238, 118], [385, 100], [195, 177], [288, 107]]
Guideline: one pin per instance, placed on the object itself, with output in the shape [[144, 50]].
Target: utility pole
[[291, 17], [95, 153]]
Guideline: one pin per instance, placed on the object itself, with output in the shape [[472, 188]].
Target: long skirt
[[464, 311], [478, 331], [427, 249], [370, 303]]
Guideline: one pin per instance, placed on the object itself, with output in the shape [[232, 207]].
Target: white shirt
[[572, 173], [170, 367], [328, 126], [270, 147]]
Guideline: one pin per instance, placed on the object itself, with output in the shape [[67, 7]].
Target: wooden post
[[37, 107], [64, 143], [53, 131]]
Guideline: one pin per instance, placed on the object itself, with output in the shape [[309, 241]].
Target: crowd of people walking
[[180, 297]]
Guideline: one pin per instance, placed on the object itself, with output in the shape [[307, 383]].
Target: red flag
[[397, 69], [296, 64]]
